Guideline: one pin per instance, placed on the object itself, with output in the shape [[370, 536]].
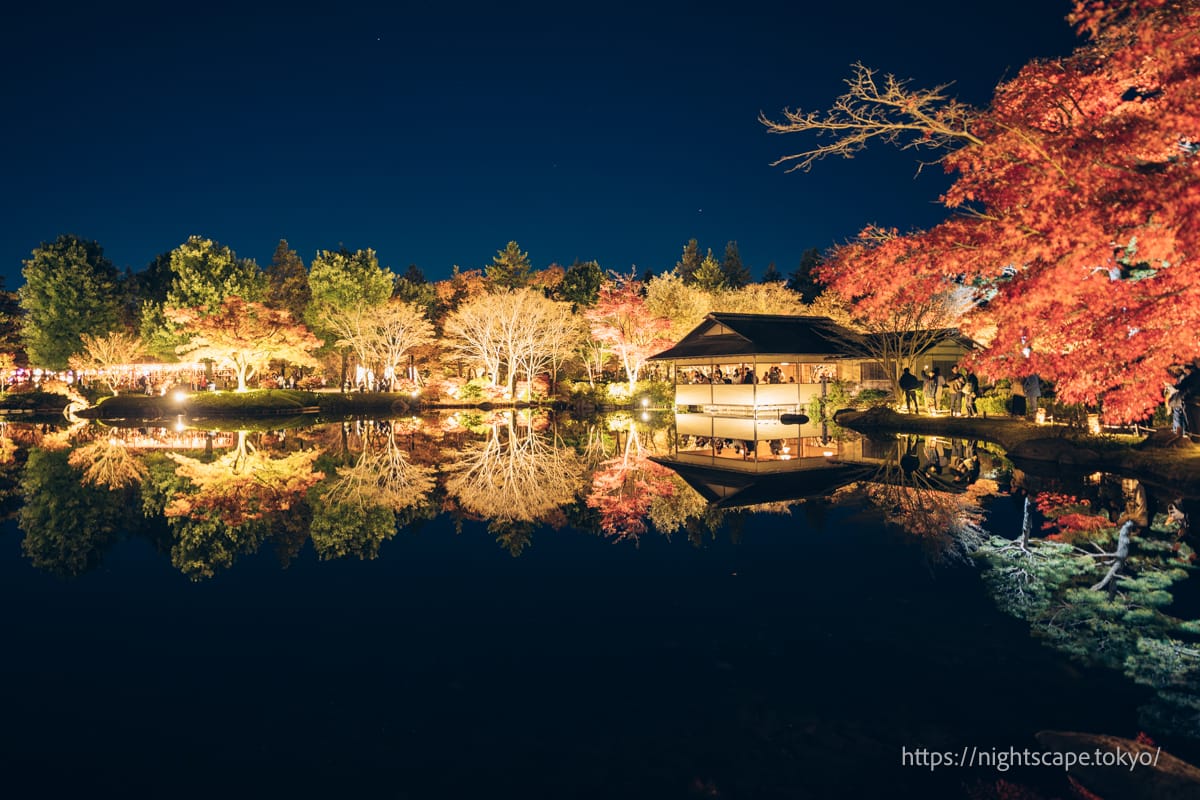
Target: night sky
[[435, 135]]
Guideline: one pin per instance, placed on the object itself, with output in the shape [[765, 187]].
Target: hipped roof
[[754, 334]]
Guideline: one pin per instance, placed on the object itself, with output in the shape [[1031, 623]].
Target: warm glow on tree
[[244, 336], [1077, 195], [621, 320], [104, 354]]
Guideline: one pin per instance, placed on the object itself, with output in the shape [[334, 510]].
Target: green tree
[[804, 278], [510, 268], [10, 321], [70, 289], [689, 262], [344, 282], [412, 287], [203, 273], [581, 284], [736, 273], [709, 276], [287, 282], [772, 274]]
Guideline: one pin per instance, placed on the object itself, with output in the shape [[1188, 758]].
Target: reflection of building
[[735, 375], [945, 466], [171, 439]]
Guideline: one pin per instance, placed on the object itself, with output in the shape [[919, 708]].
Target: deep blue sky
[[580, 130]]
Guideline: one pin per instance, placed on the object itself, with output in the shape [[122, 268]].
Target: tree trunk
[[1122, 555]]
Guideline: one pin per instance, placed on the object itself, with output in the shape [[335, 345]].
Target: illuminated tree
[[510, 268], [245, 336], [758, 298], [1075, 199], [513, 333], [70, 289], [202, 274], [682, 303], [105, 354], [345, 282], [380, 336], [894, 336], [515, 473], [709, 276], [621, 320]]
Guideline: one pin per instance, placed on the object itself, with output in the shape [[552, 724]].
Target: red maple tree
[[1077, 201], [621, 321]]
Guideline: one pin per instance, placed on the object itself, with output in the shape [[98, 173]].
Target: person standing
[[956, 391], [929, 389], [1033, 390], [1018, 398], [909, 384], [939, 387], [970, 392]]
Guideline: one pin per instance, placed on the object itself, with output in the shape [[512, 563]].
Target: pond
[[525, 605]]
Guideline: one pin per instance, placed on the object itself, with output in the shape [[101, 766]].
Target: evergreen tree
[[510, 268], [772, 275], [287, 282], [70, 289], [736, 273], [804, 279], [709, 276], [204, 273], [10, 321], [414, 274], [581, 284], [689, 262]]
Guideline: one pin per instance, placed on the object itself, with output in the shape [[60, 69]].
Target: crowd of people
[[960, 387]]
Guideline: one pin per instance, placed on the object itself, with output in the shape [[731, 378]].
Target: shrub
[[874, 398]]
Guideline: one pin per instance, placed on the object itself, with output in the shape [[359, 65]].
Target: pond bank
[[1047, 445]]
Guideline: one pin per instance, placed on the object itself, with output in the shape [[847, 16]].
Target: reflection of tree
[[1105, 600], [623, 488], [514, 536], [243, 484], [940, 512], [681, 508], [67, 525], [350, 530], [381, 475], [515, 473], [357, 510], [108, 462]]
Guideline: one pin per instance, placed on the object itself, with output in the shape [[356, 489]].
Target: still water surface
[[371, 633]]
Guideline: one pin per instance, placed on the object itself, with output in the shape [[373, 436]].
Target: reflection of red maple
[[1081, 197], [624, 487]]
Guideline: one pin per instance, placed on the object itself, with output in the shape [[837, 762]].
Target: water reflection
[[1094, 569]]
